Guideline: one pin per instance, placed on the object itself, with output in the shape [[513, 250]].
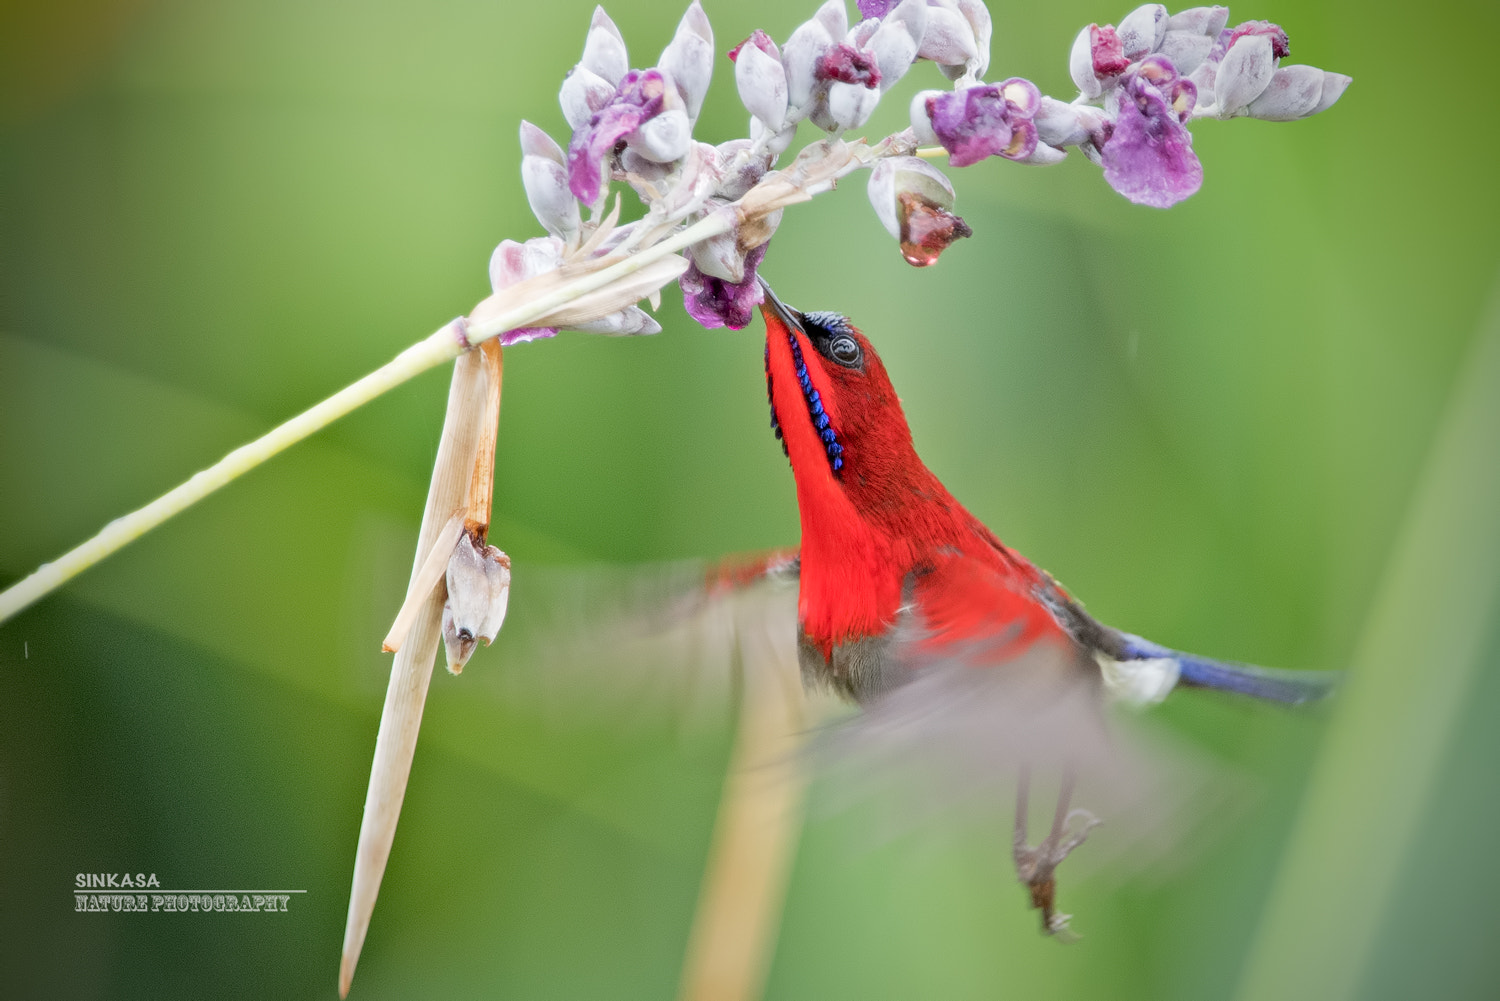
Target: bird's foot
[[1036, 867]]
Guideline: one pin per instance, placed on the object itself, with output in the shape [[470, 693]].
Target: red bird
[[911, 607]]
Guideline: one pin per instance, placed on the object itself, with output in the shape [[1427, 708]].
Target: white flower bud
[[604, 50], [978, 16], [478, 593], [896, 41], [1293, 93], [554, 206], [896, 175], [536, 142], [1244, 72], [720, 256], [1142, 30], [849, 106], [583, 93], [1059, 123], [664, 138], [689, 58], [834, 17], [514, 262], [1044, 156], [1200, 20], [921, 121], [775, 144], [545, 178], [761, 81], [1081, 66], [1334, 85], [628, 321], [800, 54], [1186, 49], [949, 38]]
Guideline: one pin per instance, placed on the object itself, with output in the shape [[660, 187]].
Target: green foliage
[[1208, 422]]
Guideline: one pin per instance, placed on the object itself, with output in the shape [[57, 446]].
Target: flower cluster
[[1139, 85]]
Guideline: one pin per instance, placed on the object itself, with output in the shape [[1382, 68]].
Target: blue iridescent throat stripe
[[815, 410]]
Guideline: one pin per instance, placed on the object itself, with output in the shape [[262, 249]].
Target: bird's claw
[[1036, 867]]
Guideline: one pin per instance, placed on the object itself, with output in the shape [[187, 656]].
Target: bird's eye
[[845, 350]]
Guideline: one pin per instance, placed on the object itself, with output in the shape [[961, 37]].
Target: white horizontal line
[[154, 889]]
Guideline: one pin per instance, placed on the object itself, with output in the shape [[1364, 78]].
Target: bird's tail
[[1289, 687]]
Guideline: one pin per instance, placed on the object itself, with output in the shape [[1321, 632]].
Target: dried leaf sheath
[[396, 742]]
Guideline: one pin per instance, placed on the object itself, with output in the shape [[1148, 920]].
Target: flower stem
[[442, 345]]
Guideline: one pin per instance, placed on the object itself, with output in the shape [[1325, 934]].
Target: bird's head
[[832, 404]]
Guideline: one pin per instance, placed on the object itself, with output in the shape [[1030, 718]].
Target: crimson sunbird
[[909, 606]]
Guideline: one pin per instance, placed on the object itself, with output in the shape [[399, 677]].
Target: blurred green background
[[1211, 423]]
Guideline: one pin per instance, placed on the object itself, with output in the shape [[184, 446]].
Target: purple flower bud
[[545, 179], [1200, 20], [604, 49], [1107, 51], [1244, 72], [639, 99], [913, 201], [583, 93], [714, 302], [1142, 30], [896, 41], [761, 78], [949, 38], [801, 55], [846, 64], [990, 120], [1149, 157], [1186, 49], [689, 58], [876, 8]]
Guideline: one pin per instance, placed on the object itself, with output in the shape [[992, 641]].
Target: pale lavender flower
[[715, 302], [761, 79], [640, 98], [604, 49], [688, 58], [805, 49], [949, 38], [544, 175], [984, 121], [897, 39], [1142, 31], [512, 263], [1149, 157], [876, 8]]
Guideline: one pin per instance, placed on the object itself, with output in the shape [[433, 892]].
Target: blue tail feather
[[1290, 687]]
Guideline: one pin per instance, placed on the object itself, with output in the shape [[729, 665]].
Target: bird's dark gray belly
[[861, 670]]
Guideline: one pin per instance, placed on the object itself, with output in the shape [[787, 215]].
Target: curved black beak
[[775, 307]]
